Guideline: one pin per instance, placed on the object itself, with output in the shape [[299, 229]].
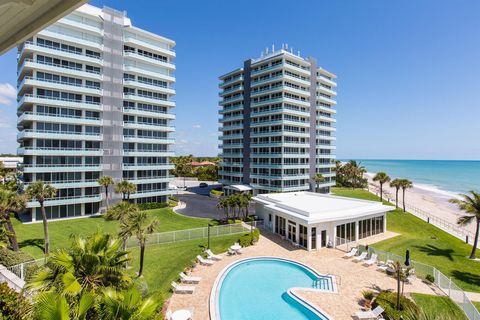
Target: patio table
[[181, 315]]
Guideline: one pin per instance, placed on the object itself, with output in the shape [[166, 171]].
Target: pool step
[[322, 283]]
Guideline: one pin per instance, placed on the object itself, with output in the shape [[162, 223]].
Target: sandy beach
[[433, 202]]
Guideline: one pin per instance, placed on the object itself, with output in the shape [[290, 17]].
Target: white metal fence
[[26, 269], [443, 282]]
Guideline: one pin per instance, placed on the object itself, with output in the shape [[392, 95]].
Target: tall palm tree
[[4, 235], [125, 188], [405, 184], [397, 184], [40, 191], [121, 212], [382, 178], [11, 202], [223, 205], [138, 225], [471, 205], [318, 178], [105, 182]]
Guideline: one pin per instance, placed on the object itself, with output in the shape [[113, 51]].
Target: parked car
[[203, 185]]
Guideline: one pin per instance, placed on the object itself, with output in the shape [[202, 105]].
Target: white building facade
[[313, 220], [95, 98], [277, 124]]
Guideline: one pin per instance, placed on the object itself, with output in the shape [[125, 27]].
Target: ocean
[[444, 177]]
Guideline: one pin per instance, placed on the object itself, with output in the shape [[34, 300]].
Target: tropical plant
[[223, 205], [397, 184], [55, 306], [138, 225], [405, 184], [318, 178], [40, 191], [127, 304], [183, 167], [105, 182], [4, 235], [382, 178], [470, 204], [350, 174], [13, 306], [125, 188], [11, 202], [89, 265], [121, 212]]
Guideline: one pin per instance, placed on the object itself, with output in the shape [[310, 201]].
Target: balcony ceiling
[[21, 19]]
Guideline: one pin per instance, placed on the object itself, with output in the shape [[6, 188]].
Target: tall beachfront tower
[[277, 120], [95, 98]]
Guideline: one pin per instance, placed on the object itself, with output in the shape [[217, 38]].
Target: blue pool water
[[257, 289]]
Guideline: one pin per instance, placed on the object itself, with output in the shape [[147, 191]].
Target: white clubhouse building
[[314, 220]]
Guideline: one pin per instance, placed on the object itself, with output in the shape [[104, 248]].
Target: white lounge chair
[[231, 252], [361, 257], [189, 279], [168, 314], [372, 260], [177, 288], [203, 261], [372, 314], [213, 256], [350, 254], [383, 266]]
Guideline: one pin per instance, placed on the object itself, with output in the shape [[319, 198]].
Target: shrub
[[216, 192], [233, 221], [430, 278], [368, 294], [173, 198], [10, 258], [250, 238], [13, 306], [172, 204], [388, 301], [152, 205]]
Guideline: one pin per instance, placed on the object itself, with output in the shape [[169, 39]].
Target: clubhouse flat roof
[[315, 207]]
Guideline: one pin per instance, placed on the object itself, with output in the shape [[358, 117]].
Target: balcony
[[58, 85], [266, 80], [267, 69], [141, 139], [144, 85], [232, 99], [148, 59], [151, 193], [149, 73], [51, 134], [232, 174], [61, 102], [148, 166], [231, 81], [231, 90], [30, 46], [58, 118], [65, 184], [326, 100], [159, 47], [231, 109], [281, 166], [58, 68], [326, 128], [148, 99], [157, 179], [146, 112], [66, 200], [148, 153], [46, 151], [327, 81], [147, 126], [304, 124], [35, 168], [91, 43]]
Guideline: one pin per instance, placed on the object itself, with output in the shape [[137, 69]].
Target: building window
[[345, 233], [370, 227], [302, 236]]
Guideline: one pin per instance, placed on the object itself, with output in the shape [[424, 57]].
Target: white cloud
[[5, 124], [8, 93], [196, 126]]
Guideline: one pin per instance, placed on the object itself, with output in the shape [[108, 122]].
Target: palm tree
[[105, 181], [4, 235], [397, 184], [405, 184], [125, 188], [382, 178], [11, 202], [223, 205], [471, 205], [138, 225], [127, 304], [318, 178], [89, 265], [55, 306], [40, 191], [121, 212], [247, 196]]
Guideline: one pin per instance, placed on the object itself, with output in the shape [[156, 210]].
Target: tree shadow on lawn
[[467, 277], [431, 250], [32, 243]]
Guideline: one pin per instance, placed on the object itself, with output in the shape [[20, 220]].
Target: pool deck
[[351, 279]]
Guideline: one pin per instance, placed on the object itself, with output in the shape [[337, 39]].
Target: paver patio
[[351, 278]]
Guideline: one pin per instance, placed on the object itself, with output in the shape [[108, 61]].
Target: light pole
[[208, 245]]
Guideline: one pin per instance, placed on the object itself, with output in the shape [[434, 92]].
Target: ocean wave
[[435, 189]]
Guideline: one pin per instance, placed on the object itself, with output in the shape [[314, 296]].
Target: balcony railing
[[63, 50], [58, 66], [56, 115], [59, 82], [61, 132], [60, 99]]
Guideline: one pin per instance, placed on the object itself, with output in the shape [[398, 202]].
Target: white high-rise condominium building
[[95, 98], [277, 122]]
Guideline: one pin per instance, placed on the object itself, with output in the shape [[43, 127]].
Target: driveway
[[199, 206]]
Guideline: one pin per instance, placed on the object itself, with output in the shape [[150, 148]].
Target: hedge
[[13, 306], [152, 205], [250, 238]]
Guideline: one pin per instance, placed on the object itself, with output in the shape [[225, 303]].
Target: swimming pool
[[262, 288]]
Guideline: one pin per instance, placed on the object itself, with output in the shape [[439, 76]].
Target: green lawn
[[447, 253], [436, 306], [164, 262], [30, 236]]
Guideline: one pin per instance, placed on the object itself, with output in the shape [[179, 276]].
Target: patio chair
[[231, 252], [189, 279], [361, 257], [383, 266], [203, 261], [372, 260], [350, 254], [177, 288], [168, 314], [213, 256], [372, 314]]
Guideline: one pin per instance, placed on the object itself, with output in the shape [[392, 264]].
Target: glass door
[[292, 232], [324, 238]]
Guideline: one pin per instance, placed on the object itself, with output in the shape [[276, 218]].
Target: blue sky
[[408, 71]]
